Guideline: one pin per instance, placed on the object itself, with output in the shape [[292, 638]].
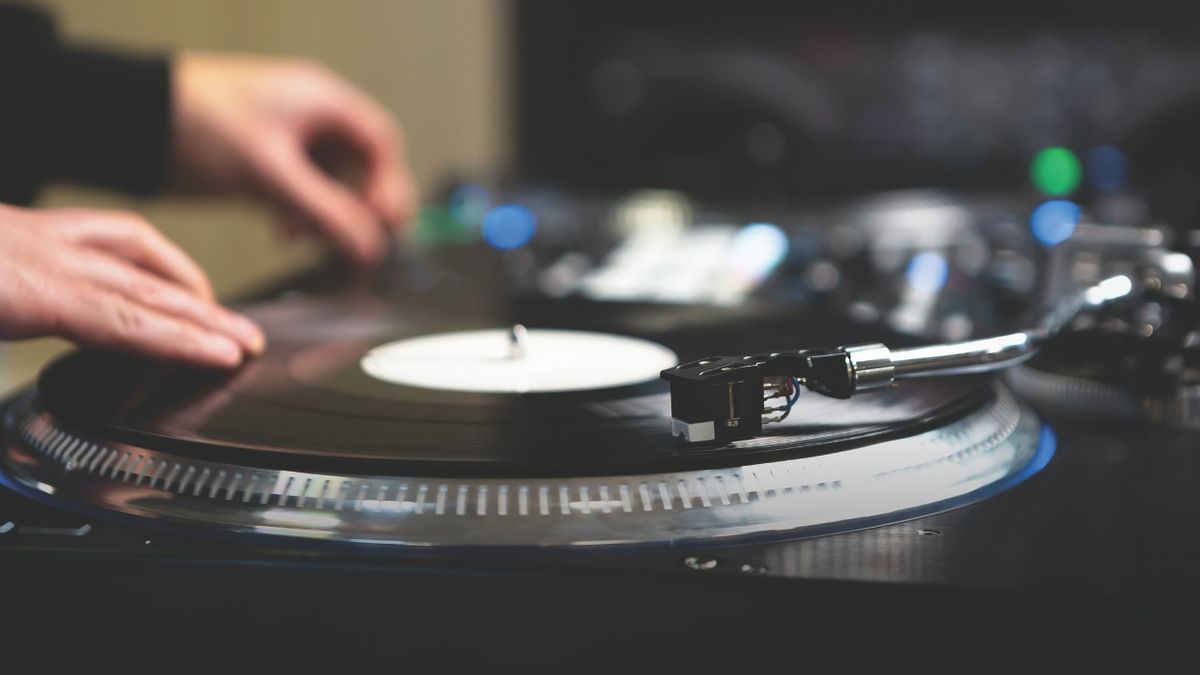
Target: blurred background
[[919, 165]]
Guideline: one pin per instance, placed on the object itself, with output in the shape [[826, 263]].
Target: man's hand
[[249, 124], [109, 279]]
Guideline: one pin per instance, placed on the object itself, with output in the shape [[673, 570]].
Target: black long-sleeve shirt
[[79, 115]]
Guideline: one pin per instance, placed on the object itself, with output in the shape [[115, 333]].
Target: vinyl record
[[311, 403]]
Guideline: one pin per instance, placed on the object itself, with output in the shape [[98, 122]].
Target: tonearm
[[725, 398]]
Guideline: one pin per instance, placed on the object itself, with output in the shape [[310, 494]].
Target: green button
[[438, 226], [1055, 171]]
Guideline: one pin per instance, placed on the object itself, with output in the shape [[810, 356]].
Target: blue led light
[[1047, 444], [1108, 168], [1054, 222], [927, 272], [757, 249], [509, 226]]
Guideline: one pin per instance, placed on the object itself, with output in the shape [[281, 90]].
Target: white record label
[[518, 361]]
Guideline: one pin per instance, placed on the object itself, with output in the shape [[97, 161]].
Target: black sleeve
[[80, 115]]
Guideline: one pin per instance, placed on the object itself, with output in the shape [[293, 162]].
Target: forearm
[[80, 115]]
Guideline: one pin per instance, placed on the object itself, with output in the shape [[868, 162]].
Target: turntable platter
[[307, 442]]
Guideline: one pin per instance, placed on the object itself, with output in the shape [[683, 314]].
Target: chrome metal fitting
[[871, 366]]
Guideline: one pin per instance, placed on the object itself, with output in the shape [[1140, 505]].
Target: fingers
[[132, 238], [60, 278], [109, 320], [336, 211], [388, 185], [151, 292]]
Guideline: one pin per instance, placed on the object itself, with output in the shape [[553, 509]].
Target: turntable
[[358, 432], [435, 455]]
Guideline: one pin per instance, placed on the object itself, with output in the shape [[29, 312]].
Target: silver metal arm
[[722, 397], [874, 366]]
